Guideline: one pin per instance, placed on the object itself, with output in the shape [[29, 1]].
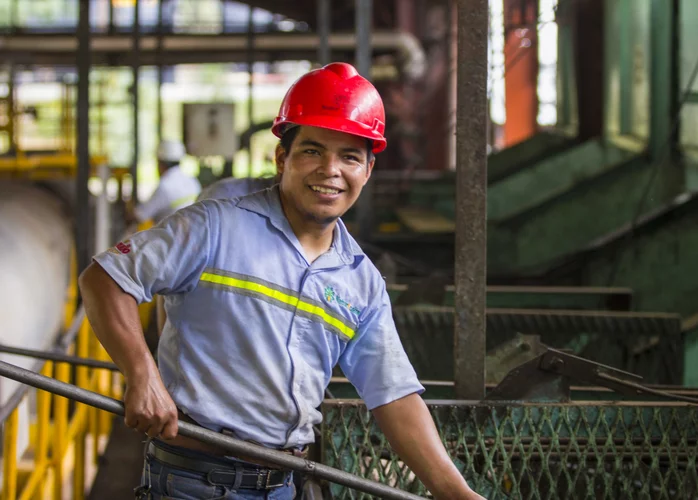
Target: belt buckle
[[262, 482]]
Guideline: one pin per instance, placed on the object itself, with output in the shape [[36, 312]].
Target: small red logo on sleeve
[[124, 246]]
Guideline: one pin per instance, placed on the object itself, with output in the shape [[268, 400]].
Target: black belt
[[231, 475]]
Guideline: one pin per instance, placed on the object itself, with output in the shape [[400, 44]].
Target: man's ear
[[369, 169], [280, 156]]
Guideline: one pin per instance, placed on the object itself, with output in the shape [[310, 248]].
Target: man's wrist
[[142, 367]]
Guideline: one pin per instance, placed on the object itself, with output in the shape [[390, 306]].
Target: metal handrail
[[232, 445], [61, 347]]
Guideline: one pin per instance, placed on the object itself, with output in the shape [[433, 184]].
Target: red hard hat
[[334, 97]]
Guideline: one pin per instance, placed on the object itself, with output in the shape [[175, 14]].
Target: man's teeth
[[324, 190]]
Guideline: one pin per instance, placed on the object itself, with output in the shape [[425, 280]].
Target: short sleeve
[[166, 259], [375, 361]]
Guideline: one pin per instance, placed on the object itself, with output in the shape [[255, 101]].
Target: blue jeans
[[164, 482]]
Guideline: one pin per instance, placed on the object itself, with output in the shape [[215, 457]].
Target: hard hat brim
[[333, 123]]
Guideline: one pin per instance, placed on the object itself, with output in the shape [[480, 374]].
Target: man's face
[[323, 173]]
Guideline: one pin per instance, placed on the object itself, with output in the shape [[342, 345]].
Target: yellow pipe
[[79, 468], [32, 488], [43, 415], [9, 466], [60, 429]]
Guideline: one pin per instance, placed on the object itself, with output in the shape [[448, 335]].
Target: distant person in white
[[232, 187], [176, 189]]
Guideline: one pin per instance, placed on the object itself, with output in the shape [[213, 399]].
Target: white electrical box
[[209, 129]]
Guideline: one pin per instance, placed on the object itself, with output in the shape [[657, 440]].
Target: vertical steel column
[[111, 16], [135, 65], [250, 85], [12, 116], [159, 66], [661, 93], [323, 29], [82, 132], [13, 15], [364, 26], [364, 21], [471, 198]]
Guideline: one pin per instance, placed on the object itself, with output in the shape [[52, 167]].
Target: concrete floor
[[120, 467]]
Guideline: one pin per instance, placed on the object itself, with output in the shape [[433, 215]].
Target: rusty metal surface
[[471, 199]]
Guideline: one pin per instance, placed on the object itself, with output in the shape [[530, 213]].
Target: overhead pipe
[[231, 445], [223, 48]]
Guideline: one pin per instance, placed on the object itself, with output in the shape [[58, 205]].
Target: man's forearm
[[411, 432], [114, 317]]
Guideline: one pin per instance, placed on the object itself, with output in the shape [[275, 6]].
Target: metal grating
[[614, 451], [647, 344]]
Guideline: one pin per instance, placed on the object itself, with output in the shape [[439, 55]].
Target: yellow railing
[[58, 440]]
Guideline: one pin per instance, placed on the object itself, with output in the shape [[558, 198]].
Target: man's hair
[[290, 135]]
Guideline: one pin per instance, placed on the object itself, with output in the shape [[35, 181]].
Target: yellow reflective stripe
[[182, 200], [281, 297], [318, 311]]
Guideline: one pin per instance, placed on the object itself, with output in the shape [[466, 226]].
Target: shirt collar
[[268, 204]]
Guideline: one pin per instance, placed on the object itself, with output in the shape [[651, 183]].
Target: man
[[255, 325], [176, 189]]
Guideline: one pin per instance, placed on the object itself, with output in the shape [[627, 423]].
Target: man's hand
[[149, 407], [411, 432]]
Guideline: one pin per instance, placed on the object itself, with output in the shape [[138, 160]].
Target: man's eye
[[311, 152], [353, 158]]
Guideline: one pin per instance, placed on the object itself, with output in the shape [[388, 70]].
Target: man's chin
[[322, 217]]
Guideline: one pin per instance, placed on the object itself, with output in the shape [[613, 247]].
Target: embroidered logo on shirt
[[122, 247], [331, 296]]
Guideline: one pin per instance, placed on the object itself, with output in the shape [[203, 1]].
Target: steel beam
[[82, 208], [135, 66], [471, 200], [364, 27], [324, 20], [250, 83], [364, 21]]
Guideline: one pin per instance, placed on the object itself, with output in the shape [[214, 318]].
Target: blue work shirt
[[253, 329]]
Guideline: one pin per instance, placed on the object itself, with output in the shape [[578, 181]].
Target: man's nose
[[331, 165]]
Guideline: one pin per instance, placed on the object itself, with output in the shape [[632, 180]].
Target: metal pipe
[[11, 114], [324, 20], [364, 25], [82, 212], [185, 49], [231, 445], [471, 199], [135, 64], [58, 357], [250, 83], [111, 17], [364, 21], [159, 52]]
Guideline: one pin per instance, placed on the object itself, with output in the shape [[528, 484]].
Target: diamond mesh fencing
[[612, 451]]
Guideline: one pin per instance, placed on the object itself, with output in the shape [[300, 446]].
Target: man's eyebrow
[[308, 142], [354, 151], [315, 144]]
